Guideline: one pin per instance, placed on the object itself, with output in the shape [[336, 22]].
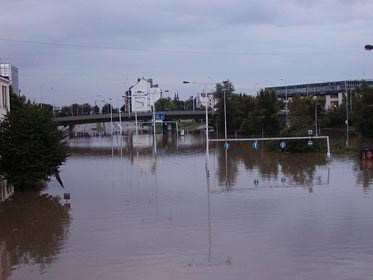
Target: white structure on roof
[[11, 72], [4, 98], [142, 95]]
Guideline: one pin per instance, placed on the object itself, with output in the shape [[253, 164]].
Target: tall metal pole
[[136, 124], [207, 118], [316, 119], [154, 139], [111, 119], [286, 102], [120, 121], [207, 121], [225, 118], [347, 133]]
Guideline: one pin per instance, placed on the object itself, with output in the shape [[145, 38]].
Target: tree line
[[264, 114]]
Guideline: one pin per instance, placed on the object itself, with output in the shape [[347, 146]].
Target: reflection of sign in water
[[366, 154], [282, 145]]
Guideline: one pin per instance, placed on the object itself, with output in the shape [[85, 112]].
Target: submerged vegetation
[[30, 144]]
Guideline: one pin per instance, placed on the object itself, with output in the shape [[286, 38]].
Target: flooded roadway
[[246, 214]]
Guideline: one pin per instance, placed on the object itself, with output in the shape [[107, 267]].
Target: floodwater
[[176, 214]]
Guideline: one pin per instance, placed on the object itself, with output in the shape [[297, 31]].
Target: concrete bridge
[[141, 116]]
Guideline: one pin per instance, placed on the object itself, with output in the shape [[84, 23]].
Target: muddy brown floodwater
[[244, 214]]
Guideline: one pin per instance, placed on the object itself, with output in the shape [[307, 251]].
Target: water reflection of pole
[[227, 183], [208, 213]]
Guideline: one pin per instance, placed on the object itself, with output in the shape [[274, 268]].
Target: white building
[[4, 98], [142, 95], [11, 72], [206, 99]]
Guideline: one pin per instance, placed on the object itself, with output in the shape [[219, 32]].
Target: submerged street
[[244, 214]]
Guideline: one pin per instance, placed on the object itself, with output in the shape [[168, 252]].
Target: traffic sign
[[226, 146], [255, 145], [159, 116], [310, 143], [282, 145]]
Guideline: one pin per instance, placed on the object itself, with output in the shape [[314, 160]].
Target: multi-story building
[[206, 99], [4, 98], [11, 72], [333, 92], [142, 95]]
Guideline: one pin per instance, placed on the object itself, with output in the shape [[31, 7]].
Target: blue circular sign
[[310, 143], [283, 180], [255, 145], [226, 146], [282, 145]]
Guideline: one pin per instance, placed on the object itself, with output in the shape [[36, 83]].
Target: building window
[[4, 97]]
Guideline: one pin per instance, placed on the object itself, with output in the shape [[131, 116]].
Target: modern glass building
[[332, 91], [11, 72]]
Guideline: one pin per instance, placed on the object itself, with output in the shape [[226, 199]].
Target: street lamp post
[[206, 113], [153, 122], [225, 115], [111, 114], [347, 132], [286, 101]]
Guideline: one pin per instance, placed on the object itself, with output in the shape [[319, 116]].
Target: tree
[[107, 108], [165, 104], [226, 88], [30, 144], [265, 116], [364, 115]]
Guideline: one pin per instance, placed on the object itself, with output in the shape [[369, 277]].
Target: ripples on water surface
[[136, 216]]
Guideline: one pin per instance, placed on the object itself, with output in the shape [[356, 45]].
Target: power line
[[197, 52]]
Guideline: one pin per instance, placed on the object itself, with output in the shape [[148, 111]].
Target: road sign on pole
[[255, 145]]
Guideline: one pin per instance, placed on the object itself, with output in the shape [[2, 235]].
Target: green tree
[[364, 115], [226, 89], [165, 104], [107, 108], [265, 117], [30, 146]]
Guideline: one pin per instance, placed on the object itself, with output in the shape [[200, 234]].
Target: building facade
[[206, 100], [4, 98], [141, 96], [333, 92], [11, 72]]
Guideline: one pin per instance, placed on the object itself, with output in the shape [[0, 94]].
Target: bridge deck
[[141, 116]]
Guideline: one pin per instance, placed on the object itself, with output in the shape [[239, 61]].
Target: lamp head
[[186, 82]]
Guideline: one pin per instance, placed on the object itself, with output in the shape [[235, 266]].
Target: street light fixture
[[368, 47]]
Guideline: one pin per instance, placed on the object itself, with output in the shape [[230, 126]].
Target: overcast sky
[[74, 50]]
